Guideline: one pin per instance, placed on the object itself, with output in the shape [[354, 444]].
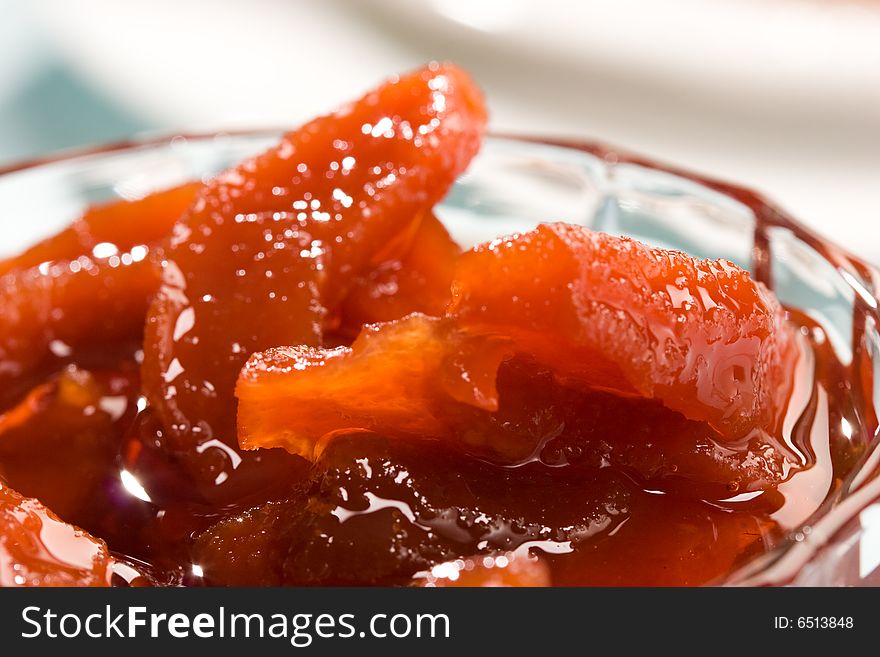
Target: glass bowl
[[516, 183]]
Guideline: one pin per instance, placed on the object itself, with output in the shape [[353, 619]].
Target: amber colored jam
[[528, 469], [373, 510]]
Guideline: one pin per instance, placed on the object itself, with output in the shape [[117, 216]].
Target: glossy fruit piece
[[77, 417], [120, 225], [38, 549], [247, 549], [272, 246], [404, 379], [609, 312], [417, 281], [292, 397], [61, 306], [393, 376]]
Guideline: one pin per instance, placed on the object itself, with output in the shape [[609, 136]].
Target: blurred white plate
[[781, 95], [779, 51]]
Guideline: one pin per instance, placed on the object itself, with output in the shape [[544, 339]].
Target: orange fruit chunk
[[609, 312], [417, 281], [75, 417], [247, 549], [38, 549], [271, 246], [62, 305], [721, 373], [389, 378], [88, 285], [122, 224]]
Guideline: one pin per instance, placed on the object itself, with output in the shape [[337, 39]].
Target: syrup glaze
[[376, 511]]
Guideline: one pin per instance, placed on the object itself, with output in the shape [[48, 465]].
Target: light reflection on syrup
[[805, 490], [39, 549]]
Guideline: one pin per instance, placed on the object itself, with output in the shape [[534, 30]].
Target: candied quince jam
[[292, 374]]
